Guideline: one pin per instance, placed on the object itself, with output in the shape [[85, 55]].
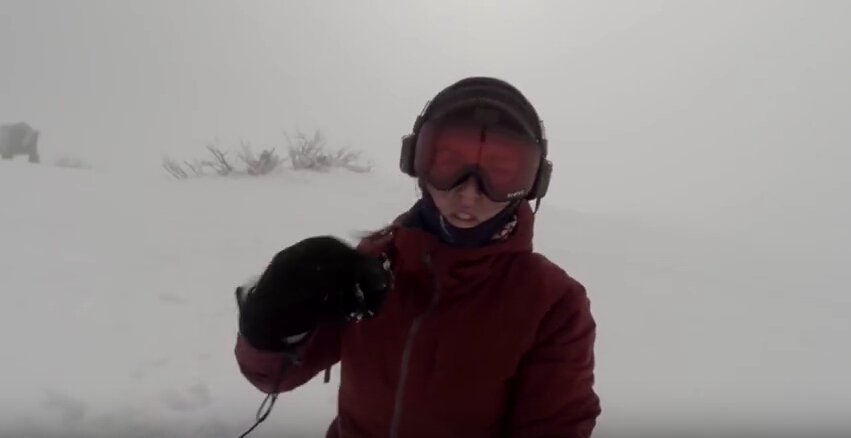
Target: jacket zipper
[[406, 356]]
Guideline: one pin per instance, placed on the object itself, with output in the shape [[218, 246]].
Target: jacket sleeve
[[554, 395], [319, 351]]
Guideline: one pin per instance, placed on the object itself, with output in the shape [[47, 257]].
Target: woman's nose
[[468, 191]]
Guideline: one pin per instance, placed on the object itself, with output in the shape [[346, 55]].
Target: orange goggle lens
[[504, 162]]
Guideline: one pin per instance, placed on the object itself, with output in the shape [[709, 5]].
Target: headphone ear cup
[[542, 182], [406, 158]]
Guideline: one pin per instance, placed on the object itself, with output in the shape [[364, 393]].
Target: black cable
[[290, 357], [272, 397]]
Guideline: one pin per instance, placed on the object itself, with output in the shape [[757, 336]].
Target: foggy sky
[[689, 110]]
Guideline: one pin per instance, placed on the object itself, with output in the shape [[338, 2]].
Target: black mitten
[[319, 278]]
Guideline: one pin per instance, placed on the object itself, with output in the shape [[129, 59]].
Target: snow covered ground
[[117, 314]]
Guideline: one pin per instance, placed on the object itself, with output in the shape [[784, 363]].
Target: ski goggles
[[504, 162]]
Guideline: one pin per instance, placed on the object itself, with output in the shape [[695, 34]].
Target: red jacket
[[494, 341]]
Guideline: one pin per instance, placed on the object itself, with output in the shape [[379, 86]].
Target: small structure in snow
[[19, 139]]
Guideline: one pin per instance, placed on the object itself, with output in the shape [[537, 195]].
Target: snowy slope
[[117, 315]]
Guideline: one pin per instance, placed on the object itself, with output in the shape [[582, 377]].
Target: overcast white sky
[[687, 110]]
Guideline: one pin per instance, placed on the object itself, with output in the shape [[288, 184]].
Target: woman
[[465, 331]]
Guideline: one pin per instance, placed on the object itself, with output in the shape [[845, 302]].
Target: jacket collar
[[457, 269]]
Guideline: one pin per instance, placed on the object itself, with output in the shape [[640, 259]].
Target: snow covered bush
[[305, 153], [313, 154], [71, 163]]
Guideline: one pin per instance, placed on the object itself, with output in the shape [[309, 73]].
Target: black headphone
[[493, 92]]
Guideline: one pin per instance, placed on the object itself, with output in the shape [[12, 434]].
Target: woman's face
[[465, 206]]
